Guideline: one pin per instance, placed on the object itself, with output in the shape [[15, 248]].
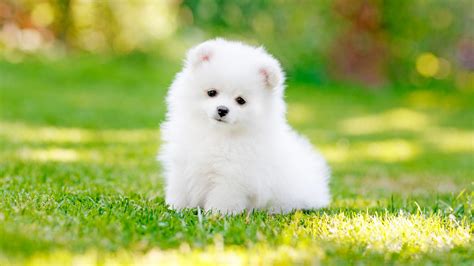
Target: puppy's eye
[[212, 93], [240, 100]]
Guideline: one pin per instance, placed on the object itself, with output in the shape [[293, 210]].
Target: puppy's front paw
[[226, 210], [225, 202], [176, 202]]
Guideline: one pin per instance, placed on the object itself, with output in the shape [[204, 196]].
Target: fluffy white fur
[[252, 159]]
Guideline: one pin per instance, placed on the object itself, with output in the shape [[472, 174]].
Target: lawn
[[79, 182]]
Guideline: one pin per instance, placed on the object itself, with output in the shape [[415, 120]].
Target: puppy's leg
[[226, 199], [176, 195]]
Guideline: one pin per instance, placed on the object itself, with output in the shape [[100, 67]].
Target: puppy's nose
[[222, 110]]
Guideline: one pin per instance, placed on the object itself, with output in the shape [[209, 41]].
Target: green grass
[[79, 181]]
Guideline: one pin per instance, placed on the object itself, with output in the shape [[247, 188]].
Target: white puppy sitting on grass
[[227, 146]]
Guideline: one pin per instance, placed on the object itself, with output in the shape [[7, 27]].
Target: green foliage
[[367, 42], [79, 182]]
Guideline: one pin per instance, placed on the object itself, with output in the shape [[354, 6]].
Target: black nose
[[222, 110]]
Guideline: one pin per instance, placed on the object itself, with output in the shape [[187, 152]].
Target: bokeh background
[[372, 43]]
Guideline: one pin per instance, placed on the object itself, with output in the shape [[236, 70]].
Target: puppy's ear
[[200, 54], [271, 75]]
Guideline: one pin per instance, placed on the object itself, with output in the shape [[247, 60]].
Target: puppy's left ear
[[271, 75], [200, 54]]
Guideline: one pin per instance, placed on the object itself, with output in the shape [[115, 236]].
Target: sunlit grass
[[406, 234], [396, 119], [51, 154], [305, 240], [452, 140], [385, 151], [18, 132], [381, 182], [62, 144]]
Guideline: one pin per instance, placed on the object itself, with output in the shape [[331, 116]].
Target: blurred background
[[376, 44]]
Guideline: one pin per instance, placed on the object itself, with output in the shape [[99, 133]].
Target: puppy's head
[[232, 84]]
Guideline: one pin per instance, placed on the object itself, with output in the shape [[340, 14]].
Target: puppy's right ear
[[271, 75], [199, 55]]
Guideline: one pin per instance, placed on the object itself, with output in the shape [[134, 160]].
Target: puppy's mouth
[[220, 120]]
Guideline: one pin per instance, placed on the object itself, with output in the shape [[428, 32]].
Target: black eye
[[212, 93], [240, 100]]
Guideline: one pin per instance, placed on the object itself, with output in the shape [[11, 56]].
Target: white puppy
[[226, 144]]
